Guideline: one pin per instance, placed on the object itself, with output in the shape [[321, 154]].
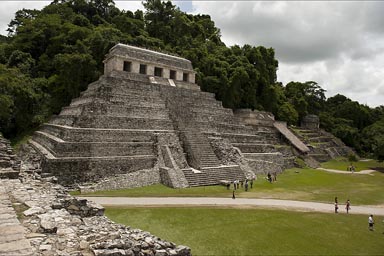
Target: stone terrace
[[323, 146]]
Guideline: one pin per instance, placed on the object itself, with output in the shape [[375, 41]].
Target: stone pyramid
[[146, 119]]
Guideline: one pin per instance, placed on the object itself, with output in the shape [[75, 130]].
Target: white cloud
[[9, 8], [131, 5], [337, 44], [340, 44]]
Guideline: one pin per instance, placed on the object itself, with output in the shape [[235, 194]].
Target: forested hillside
[[51, 55]]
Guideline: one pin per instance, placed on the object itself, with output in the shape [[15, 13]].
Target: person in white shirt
[[370, 222]]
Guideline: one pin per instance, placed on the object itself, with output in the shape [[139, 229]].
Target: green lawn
[[293, 184], [215, 231]]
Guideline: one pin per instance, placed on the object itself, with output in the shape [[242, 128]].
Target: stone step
[[212, 110], [61, 148], [9, 173], [271, 157], [12, 238], [100, 135], [108, 89], [111, 92], [286, 150], [200, 103], [187, 93], [116, 110], [320, 139], [16, 248], [112, 122], [213, 176], [213, 117], [119, 100], [5, 163], [239, 138], [143, 85], [72, 170], [320, 157], [255, 147], [121, 84]]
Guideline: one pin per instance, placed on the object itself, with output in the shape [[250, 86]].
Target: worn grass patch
[[293, 184], [213, 231]]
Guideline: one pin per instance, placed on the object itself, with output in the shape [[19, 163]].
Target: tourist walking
[[370, 222], [336, 205], [274, 176], [348, 206]]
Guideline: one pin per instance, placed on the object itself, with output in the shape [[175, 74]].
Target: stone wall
[[57, 223], [310, 122], [228, 155], [254, 117], [137, 57], [135, 179]]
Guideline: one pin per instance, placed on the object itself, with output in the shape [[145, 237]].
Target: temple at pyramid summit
[[146, 121]]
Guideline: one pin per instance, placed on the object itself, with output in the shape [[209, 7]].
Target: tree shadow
[[379, 169]]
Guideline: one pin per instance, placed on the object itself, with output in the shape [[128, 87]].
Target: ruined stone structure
[[323, 145], [9, 163], [145, 121], [311, 122], [39, 218]]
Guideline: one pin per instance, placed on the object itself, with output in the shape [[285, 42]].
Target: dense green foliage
[[51, 55], [219, 231]]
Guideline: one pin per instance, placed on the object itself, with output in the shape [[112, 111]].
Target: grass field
[[262, 231], [342, 164], [213, 231], [293, 184]]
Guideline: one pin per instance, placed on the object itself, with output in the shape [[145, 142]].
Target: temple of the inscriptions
[[146, 121]]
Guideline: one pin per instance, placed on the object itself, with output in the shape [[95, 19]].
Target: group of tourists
[[351, 168], [371, 221], [347, 205], [240, 183], [272, 178]]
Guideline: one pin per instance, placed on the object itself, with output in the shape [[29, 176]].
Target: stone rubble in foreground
[[57, 223]]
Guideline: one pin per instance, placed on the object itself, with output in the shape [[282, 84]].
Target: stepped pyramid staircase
[[187, 111], [202, 119], [110, 129], [323, 146], [263, 147]]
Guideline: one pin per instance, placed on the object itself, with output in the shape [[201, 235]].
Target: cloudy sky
[[340, 45]]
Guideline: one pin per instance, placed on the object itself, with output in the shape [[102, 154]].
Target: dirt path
[[229, 202], [345, 172]]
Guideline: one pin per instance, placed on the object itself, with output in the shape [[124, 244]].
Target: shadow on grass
[[379, 169]]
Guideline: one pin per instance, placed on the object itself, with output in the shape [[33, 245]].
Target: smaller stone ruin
[[310, 122], [323, 145]]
